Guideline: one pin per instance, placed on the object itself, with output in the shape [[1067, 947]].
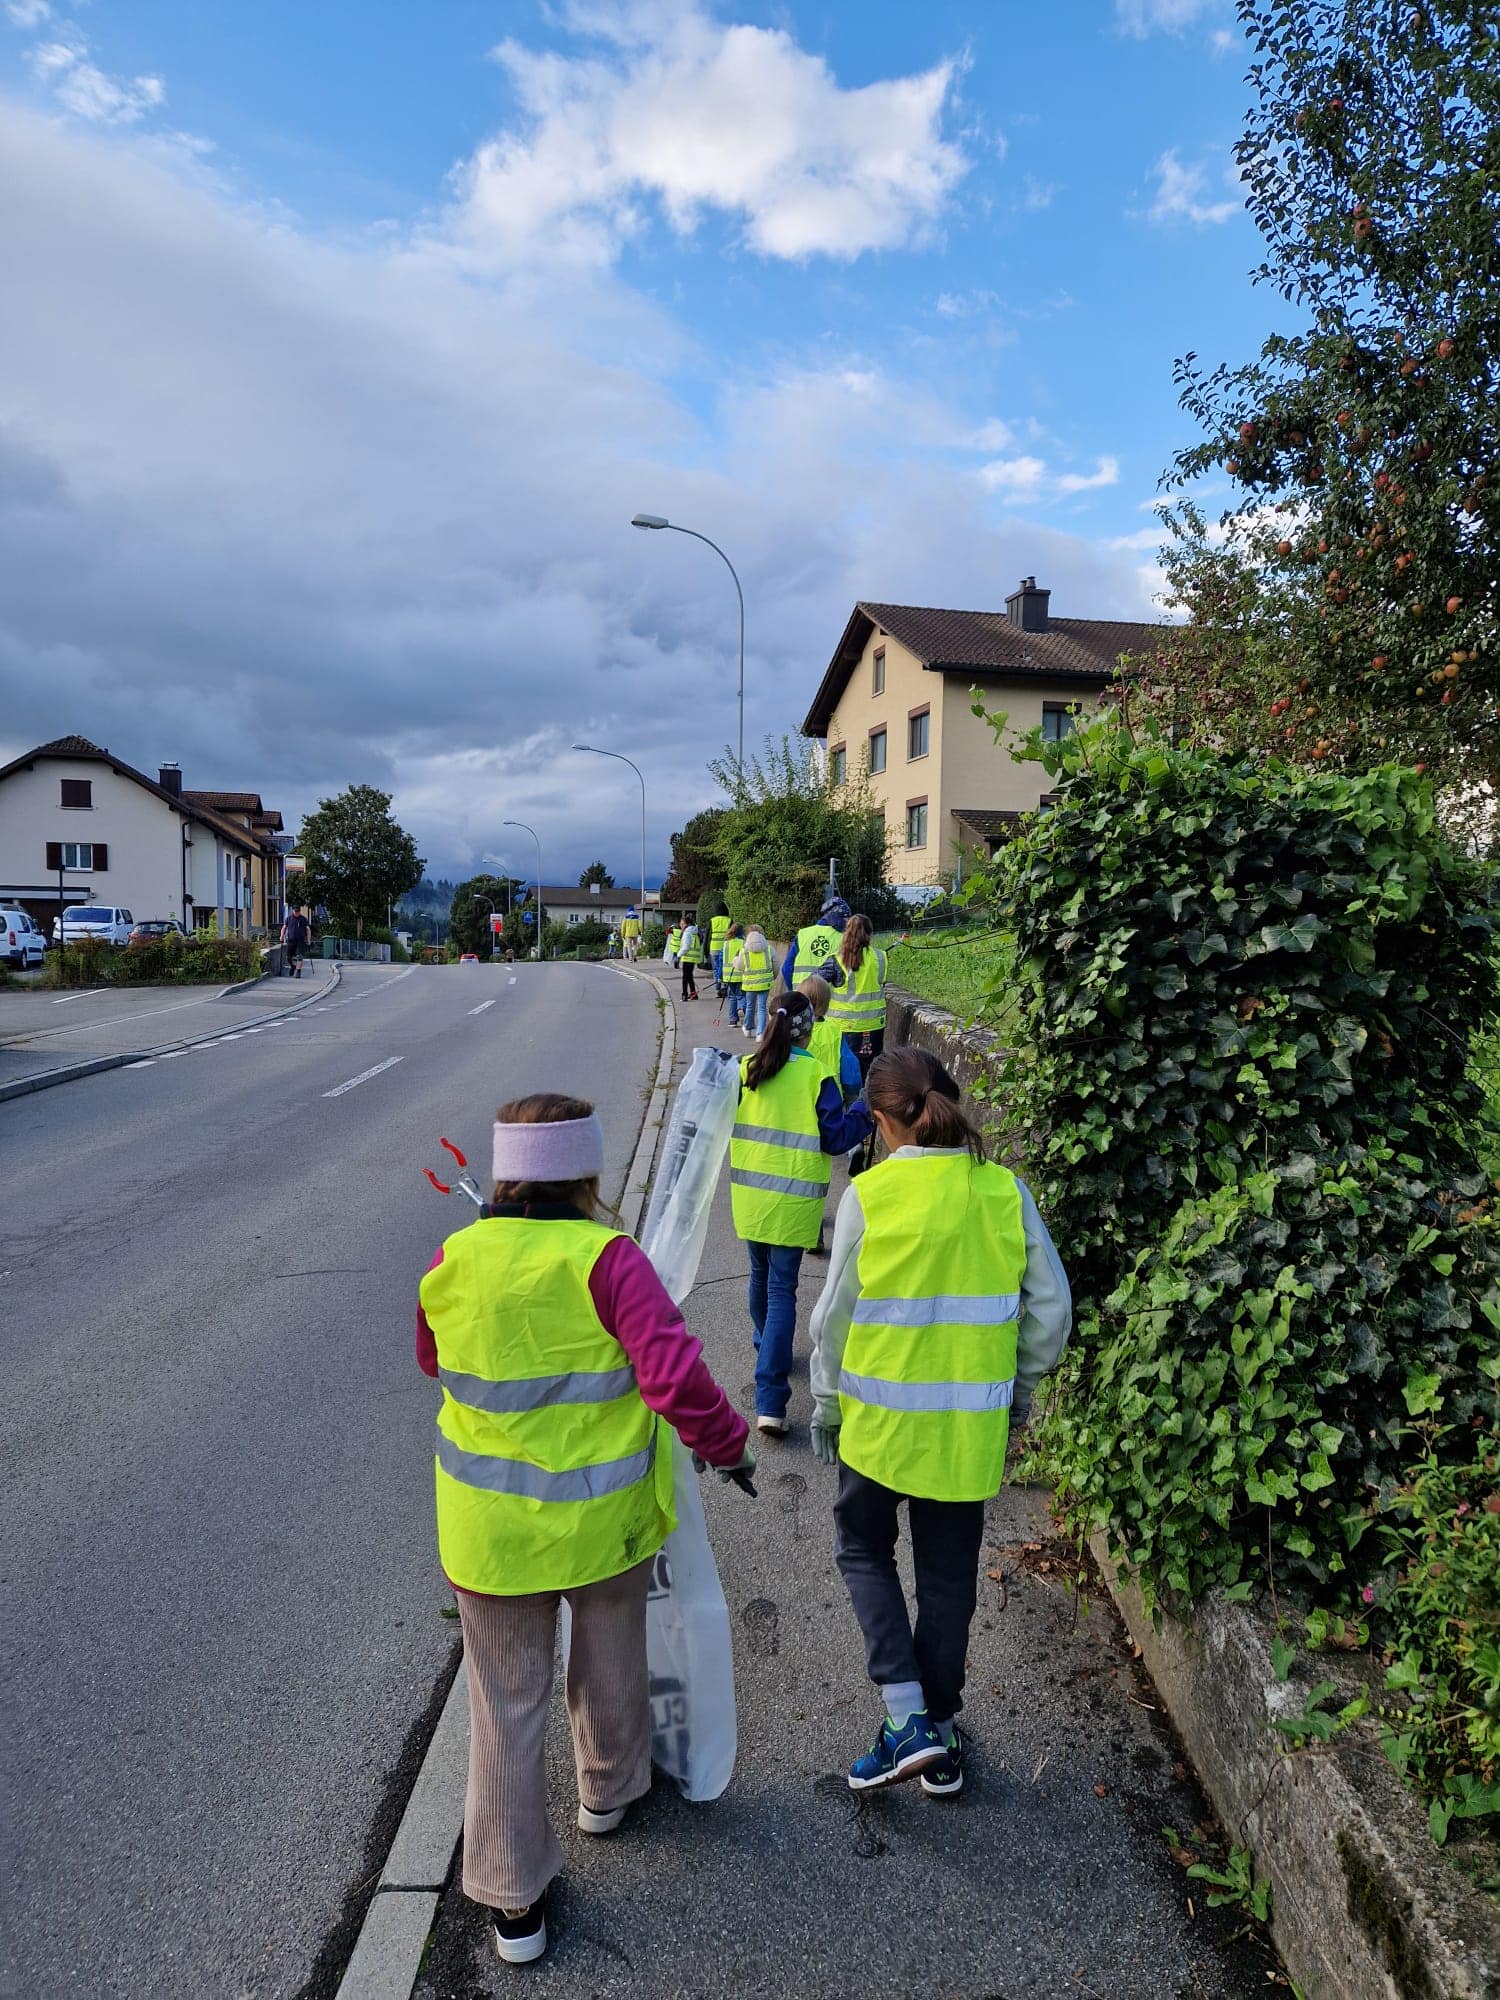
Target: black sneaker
[[521, 1935], [943, 1781]]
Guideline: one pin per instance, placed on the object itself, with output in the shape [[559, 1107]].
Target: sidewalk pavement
[[56, 1036], [1048, 1877]]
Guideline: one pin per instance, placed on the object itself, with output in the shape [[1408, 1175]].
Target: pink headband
[[571, 1149]]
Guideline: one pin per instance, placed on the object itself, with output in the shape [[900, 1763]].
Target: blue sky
[[345, 340]]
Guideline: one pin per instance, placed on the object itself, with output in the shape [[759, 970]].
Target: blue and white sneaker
[[897, 1754]]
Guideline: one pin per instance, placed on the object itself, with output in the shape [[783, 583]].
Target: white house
[[571, 904], [78, 825]]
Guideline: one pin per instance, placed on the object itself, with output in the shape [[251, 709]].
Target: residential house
[[897, 703], [574, 905], [78, 825], [267, 875]]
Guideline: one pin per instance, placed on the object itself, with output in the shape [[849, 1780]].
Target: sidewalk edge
[[24, 1086]]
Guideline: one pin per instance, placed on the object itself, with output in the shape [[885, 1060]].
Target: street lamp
[[537, 838], [661, 521], [593, 752]]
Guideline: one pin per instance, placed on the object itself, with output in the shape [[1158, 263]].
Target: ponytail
[[914, 1090], [790, 1024], [852, 945]]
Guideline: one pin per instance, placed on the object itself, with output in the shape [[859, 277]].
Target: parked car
[[469, 958], [111, 924], [150, 929], [21, 943]]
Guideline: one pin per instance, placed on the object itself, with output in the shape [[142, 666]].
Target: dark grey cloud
[[301, 514]]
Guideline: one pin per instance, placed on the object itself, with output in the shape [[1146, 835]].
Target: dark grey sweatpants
[[945, 1542]]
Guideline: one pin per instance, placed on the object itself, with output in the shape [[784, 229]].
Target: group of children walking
[[558, 1349]]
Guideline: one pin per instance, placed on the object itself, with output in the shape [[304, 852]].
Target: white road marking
[[512, 980], [142, 1065], [363, 1077], [89, 993], [481, 1007], [171, 1055]]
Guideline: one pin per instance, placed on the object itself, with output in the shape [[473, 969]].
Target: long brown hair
[[913, 1089], [853, 944], [547, 1107], [777, 1043]]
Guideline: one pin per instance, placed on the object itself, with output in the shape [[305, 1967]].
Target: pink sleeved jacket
[[668, 1361]]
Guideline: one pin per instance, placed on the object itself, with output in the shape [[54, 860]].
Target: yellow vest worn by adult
[[757, 970], [930, 1363], [858, 1006], [778, 1171], [630, 927], [674, 940], [827, 1048], [718, 930], [550, 1471], [816, 944]]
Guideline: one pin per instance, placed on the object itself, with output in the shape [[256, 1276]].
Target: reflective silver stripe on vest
[[926, 1395], [776, 1183], [533, 1482], [946, 1309], [536, 1392], [768, 1135]]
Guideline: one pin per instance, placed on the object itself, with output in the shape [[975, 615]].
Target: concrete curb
[[23, 1086], [1364, 1906], [387, 1956]]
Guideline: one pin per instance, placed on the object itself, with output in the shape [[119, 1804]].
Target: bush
[[203, 958], [653, 940], [1249, 993]]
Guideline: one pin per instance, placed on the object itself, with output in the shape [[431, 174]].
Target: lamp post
[[594, 752], [537, 838], [660, 521]]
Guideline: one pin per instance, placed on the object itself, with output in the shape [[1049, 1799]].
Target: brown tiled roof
[[986, 820], [245, 802], [983, 644]]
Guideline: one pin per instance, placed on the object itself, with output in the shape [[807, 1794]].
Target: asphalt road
[[1049, 1879], [223, 1603]]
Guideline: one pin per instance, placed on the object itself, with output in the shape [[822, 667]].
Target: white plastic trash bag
[[682, 1196], [688, 1651]]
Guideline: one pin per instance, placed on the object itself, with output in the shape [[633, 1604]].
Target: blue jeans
[[773, 1312], [755, 1013], [736, 1003]]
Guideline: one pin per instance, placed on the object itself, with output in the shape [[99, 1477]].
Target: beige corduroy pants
[[511, 1852]]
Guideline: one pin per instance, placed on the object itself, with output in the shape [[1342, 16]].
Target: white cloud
[[683, 113], [1022, 478], [1106, 474], [1149, 17], [1037, 195], [1182, 193], [81, 87], [28, 13], [1222, 41], [301, 515], [1139, 538]]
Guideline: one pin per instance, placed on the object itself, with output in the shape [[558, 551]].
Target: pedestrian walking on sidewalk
[[857, 1007], [734, 972], [945, 1305], [559, 1352], [293, 942], [756, 978], [789, 1122], [690, 957]]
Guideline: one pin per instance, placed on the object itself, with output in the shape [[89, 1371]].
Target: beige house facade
[[896, 703]]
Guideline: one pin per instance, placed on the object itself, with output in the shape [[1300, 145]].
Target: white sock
[[903, 1700]]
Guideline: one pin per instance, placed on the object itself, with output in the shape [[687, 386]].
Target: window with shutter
[[78, 794], [54, 856], [101, 855]]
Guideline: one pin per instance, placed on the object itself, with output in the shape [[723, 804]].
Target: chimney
[[593, 888], [1027, 606], [170, 779]]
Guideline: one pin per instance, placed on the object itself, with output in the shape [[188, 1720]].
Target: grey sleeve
[[1046, 1308], [833, 1315]]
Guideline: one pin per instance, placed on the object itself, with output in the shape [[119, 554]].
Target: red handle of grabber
[[441, 1186], [448, 1146]]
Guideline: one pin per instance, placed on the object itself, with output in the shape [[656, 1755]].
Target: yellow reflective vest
[[827, 1048], [551, 1471], [734, 961], [674, 939], [858, 1006], [718, 930], [930, 1362], [757, 970], [778, 1171]]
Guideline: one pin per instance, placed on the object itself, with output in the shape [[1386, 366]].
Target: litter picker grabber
[[465, 1184]]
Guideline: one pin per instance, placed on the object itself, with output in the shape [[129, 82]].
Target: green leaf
[[1422, 1393]]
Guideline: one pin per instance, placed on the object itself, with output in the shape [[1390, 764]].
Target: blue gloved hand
[[825, 1443]]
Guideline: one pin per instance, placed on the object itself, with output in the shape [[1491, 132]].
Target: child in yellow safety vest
[[789, 1122], [559, 1353], [734, 972], [944, 1307], [757, 975]]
